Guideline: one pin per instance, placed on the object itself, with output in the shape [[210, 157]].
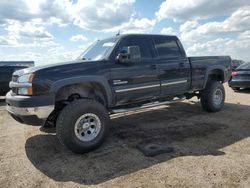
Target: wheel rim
[[87, 127], [217, 97]]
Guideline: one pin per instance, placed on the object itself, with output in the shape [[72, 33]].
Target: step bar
[[147, 105]]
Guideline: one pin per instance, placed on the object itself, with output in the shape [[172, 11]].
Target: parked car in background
[[236, 63], [240, 77], [6, 70]]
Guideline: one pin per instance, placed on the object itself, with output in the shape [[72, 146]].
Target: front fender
[[84, 79]]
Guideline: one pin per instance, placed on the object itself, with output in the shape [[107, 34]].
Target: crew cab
[[114, 75]]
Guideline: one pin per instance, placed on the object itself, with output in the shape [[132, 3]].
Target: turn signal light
[[30, 91]]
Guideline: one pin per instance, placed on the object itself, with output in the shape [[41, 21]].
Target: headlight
[[25, 86], [25, 91], [27, 78]]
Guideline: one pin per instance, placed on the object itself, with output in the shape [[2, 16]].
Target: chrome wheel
[[87, 127], [217, 97]]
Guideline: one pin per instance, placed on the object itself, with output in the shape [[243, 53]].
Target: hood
[[55, 66]]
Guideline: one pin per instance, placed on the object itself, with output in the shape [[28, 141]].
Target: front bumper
[[32, 110]]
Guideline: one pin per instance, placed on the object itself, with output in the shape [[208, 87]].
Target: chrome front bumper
[[41, 112], [31, 110]]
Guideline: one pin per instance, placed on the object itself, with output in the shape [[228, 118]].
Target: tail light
[[234, 73]]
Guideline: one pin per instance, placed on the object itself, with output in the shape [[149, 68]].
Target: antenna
[[118, 33]]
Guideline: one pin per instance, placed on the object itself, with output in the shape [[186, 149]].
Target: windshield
[[99, 50], [244, 66]]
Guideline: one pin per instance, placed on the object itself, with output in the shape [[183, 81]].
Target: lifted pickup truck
[[114, 75]]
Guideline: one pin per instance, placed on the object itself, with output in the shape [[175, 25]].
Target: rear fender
[[214, 69]]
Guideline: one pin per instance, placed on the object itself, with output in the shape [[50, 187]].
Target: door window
[[166, 47], [144, 43]]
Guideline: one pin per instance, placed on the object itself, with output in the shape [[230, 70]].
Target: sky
[[48, 31]]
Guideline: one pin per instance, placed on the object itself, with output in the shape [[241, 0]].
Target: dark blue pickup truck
[[118, 74]]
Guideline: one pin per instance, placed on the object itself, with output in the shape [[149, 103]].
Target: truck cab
[[161, 69]]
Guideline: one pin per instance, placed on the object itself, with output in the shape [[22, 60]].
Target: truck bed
[[201, 66]]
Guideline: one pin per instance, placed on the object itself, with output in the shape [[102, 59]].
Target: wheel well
[[216, 74], [72, 92], [87, 90]]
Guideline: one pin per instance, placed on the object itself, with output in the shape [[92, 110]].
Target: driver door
[[137, 81]]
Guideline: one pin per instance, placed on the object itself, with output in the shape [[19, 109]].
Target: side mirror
[[132, 56]]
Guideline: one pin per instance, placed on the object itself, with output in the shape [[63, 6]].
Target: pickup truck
[[118, 74]]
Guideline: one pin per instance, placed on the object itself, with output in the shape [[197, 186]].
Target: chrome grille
[[14, 90], [14, 78]]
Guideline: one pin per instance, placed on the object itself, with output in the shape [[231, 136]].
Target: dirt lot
[[211, 150]]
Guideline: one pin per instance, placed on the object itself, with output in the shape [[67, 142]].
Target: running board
[[148, 105]]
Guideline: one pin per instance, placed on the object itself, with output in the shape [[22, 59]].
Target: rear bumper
[[239, 83], [32, 110]]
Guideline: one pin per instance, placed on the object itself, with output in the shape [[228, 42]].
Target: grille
[[14, 78], [14, 90]]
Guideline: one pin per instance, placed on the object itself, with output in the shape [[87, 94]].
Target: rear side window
[[167, 47], [144, 43]]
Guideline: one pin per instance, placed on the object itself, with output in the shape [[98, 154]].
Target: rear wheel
[[82, 125], [213, 96]]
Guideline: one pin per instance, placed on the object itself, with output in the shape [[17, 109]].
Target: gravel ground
[[210, 150]]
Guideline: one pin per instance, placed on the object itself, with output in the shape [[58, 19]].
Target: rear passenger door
[[140, 80], [172, 65]]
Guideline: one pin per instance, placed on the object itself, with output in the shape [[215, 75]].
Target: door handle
[[153, 66]]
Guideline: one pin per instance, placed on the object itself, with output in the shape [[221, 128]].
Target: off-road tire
[[65, 125], [208, 93]]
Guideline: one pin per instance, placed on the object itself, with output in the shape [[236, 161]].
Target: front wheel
[[82, 125], [213, 96]]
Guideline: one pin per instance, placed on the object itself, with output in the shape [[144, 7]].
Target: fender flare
[[212, 68]]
